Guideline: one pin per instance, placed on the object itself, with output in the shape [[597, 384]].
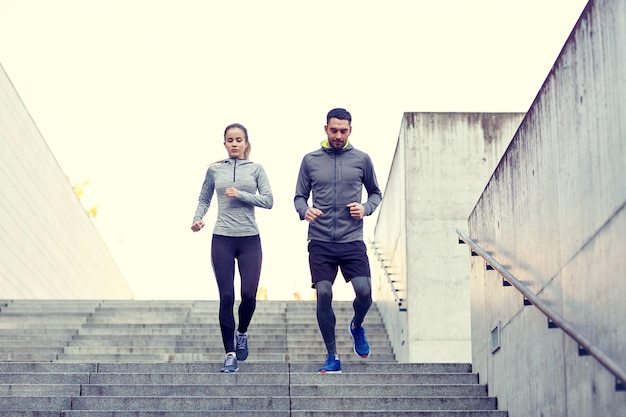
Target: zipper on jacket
[[335, 199], [234, 169]]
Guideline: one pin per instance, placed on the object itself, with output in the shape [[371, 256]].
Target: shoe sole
[[329, 372], [354, 349], [226, 371]]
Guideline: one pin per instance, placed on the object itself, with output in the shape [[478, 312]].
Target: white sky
[[133, 96]]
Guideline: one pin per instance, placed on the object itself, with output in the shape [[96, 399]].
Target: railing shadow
[[390, 281]]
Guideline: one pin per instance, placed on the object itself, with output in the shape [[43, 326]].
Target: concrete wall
[[441, 165], [554, 214], [49, 247]]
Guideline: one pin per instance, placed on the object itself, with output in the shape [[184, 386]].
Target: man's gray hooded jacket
[[335, 178]]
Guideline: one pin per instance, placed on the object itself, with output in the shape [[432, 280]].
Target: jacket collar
[[329, 149], [239, 161]]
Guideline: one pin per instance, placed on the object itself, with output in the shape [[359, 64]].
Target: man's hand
[[357, 211], [312, 214]]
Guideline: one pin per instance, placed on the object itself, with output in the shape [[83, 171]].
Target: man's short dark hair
[[339, 113]]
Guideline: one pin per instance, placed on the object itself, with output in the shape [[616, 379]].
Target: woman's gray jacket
[[235, 216]]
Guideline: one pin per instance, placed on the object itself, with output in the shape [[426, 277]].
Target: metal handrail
[[552, 315], [390, 281]]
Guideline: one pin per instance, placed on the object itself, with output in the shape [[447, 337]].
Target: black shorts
[[325, 258]]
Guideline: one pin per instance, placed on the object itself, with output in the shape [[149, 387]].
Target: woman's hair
[[246, 153]]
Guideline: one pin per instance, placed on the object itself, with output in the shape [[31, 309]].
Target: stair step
[[326, 390], [211, 357], [172, 413], [189, 390], [28, 357], [182, 403], [386, 404], [51, 390], [260, 413], [43, 378], [400, 413], [254, 413], [35, 403], [356, 378], [195, 348]]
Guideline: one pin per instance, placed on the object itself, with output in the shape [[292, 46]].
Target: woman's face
[[235, 142]]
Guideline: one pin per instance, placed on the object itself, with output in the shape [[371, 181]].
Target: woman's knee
[[248, 296], [227, 299]]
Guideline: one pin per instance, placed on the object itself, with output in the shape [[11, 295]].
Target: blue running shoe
[[332, 365], [230, 364], [361, 347], [241, 343]]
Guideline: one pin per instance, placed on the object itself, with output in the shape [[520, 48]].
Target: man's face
[[338, 132]]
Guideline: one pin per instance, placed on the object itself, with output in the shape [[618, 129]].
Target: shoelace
[[242, 341], [230, 360], [359, 336]]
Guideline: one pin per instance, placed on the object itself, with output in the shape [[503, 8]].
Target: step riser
[[258, 389], [257, 413], [245, 403], [171, 413], [181, 403], [319, 356]]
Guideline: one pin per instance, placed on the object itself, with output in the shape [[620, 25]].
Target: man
[[335, 176]]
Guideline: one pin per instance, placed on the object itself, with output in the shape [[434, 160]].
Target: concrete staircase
[[113, 358]]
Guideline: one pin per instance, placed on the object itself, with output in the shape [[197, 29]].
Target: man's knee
[[362, 288], [324, 291]]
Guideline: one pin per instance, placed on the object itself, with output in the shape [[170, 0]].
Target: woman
[[236, 181]]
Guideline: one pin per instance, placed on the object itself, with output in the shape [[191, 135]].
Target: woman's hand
[[232, 192], [197, 226]]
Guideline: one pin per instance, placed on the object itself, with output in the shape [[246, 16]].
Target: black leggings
[[247, 251], [326, 315]]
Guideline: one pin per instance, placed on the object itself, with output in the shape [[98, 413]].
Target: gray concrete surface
[[48, 244], [554, 214], [441, 165]]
